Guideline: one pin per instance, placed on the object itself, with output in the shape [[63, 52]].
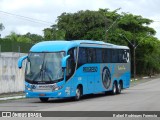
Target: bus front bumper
[[54, 94]]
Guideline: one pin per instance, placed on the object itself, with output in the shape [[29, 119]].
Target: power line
[[27, 18]]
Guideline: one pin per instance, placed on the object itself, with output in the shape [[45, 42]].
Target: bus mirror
[[64, 61], [20, 61]]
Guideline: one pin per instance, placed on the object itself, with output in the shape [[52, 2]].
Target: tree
[[54, 33], [148, 56], [18, 38], [82, 25], [12, 36], [107, 26], [1, 28], [33, 37], [135, 29]]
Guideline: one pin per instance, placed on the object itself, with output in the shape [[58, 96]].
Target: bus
[[60, 69]]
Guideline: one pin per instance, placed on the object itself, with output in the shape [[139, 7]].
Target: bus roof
[[55, 46]]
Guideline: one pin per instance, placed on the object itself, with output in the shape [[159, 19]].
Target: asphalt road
[[142, 97]]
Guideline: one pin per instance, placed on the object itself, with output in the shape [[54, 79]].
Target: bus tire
[[78, 93], [43, 99], [119, 88], [114, 88]]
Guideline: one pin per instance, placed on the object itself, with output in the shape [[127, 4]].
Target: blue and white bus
[[60, 69]]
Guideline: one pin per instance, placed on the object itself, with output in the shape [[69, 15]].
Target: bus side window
[[109, 55], [106, 53], [115, 55], [91, 55], [82, 56], [120, 56], [99, 56]]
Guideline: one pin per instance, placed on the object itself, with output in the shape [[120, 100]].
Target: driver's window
[[71, 62], [28, 68]]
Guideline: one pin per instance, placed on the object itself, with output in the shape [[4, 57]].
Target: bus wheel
[[43, 99], [114, 89], [78, 94], [119, 88]]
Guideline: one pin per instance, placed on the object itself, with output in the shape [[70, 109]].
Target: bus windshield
[[44, 67]]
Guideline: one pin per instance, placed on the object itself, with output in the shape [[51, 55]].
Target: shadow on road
[[84, 98]]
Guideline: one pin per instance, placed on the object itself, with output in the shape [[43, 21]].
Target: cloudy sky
[[15, 14]]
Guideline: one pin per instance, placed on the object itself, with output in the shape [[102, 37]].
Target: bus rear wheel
[[119, 88], [43, 99], [78, 93], [114, 89]]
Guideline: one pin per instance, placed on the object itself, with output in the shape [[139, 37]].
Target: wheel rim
[[114, 88], [119, 87], [78, 93]]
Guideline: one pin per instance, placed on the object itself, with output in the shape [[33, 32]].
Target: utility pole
[[134, 61]]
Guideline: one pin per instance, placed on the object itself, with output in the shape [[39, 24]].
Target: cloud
[[49, 10]]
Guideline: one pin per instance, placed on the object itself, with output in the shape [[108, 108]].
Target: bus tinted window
[[82, 58], [115, 56], [102, 55], [107, 55], [91, 55], [99, 55], [120, 56]]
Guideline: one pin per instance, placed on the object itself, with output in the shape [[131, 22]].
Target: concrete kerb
[[10, 98]]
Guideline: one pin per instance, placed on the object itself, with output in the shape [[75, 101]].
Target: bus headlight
[[27, 88], [57, 88]]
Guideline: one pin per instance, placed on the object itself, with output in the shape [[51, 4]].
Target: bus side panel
[[115, 72], [122, 72], [87, 76], [100, 77]]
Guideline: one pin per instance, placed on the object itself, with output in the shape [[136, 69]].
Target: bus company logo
[[121, 67], [90, 69], [46, 86], [106, 77]]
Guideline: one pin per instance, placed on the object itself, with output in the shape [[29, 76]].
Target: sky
[[15, 14]]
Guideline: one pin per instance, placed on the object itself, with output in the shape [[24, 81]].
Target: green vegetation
[[105, 25]]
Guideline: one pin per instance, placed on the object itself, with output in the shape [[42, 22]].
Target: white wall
[[11, 78]]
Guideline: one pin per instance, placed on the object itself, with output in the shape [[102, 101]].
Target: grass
[[140, 80]]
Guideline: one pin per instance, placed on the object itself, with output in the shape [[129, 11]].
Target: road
[[142, 97]]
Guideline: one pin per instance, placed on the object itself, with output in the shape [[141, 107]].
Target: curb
[[14, 97]]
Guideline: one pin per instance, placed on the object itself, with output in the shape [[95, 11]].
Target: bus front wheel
[[78, 94], [43, 99]]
